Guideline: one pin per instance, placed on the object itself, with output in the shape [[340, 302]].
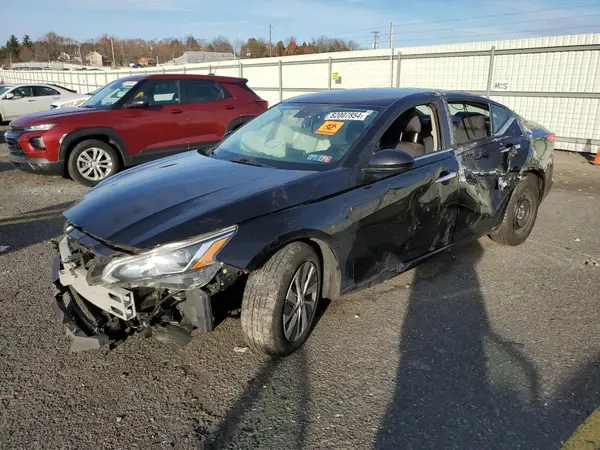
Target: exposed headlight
[[177, 265], [42, 127]]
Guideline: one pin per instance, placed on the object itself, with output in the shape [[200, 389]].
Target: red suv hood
[[52, 116]]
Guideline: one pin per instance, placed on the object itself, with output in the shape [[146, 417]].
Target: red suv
[[131, 121]]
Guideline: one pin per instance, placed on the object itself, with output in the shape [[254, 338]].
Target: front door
[[402, 217], [159, 129], [488, 148]]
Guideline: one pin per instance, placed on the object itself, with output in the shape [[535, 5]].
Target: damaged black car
[[320, 195]]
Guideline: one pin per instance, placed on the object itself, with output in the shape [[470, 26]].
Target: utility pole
[[270, 40], [391, 35], [112, 47], [375, 37], [123, 54]]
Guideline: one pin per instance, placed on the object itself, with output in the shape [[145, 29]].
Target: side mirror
[[9, 96], [389, 162], [140, 103]]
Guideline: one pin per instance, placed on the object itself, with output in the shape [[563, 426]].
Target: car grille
[[14, 148]]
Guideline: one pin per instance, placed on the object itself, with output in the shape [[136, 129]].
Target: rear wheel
[[280, 300], [92, 161], [521, 213]]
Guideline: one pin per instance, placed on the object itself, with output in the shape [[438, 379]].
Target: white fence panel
[[552, 80]]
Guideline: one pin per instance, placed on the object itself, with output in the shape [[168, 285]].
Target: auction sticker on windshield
[[348, 115], [329, 128]]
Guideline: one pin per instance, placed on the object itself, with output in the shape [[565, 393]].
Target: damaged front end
[[107, 293]]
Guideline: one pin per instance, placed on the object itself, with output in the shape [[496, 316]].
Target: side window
[[201, 91], [160, 92], [471, 121], [43, 91], [415, 131], [24, 91], [499, 118]]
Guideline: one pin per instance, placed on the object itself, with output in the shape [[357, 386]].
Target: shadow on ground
[[21, 231], [6, 166], [458, 384]]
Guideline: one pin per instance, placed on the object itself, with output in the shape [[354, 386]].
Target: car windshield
[[109, 94], [298, 136]]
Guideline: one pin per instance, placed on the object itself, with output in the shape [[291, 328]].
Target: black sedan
[[320, 195]]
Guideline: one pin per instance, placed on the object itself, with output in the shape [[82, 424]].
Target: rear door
[[402, 217], [210, 109], [22, 103], [486, 156], [159, 129], [45, 96]]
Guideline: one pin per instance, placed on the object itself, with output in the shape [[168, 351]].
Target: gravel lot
[[482, 347]]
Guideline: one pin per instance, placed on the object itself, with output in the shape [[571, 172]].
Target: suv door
[[402, 217], [486, 156], [22, 103], [44, 97], [210, 110], [157, 129]]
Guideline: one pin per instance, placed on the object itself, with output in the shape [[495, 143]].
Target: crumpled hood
[[186, 195]]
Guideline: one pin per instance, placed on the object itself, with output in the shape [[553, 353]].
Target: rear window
[[202, 91]]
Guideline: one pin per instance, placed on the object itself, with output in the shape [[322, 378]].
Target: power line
[[461, 19], [501, 24], [487, 34], [577, 27]]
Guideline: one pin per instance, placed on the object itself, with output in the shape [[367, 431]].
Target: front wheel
[[521, 213], [280, 300], [92, 161]]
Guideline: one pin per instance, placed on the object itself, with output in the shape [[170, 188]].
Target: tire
[[264, 301], [105, 155], [521, 213]]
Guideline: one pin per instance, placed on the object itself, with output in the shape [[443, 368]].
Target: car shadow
[[6, 166], [254, 420], [23, 230]]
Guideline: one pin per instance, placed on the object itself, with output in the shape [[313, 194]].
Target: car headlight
[[42, 127], [178, 265]]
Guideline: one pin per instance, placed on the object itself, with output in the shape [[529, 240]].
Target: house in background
[[95, 59]]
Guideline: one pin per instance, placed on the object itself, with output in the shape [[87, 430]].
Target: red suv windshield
[[109, 94]]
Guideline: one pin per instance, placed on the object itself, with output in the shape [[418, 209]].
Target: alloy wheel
[[300, 302], [94, 164]]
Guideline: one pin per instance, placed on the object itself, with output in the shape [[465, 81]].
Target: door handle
[[446, 177], [509, 147], [176, 111], [32, 100], [229, 106]]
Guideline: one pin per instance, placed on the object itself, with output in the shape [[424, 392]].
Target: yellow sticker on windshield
[[330, 128]]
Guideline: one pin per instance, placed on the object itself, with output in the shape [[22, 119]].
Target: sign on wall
[[501, 85]]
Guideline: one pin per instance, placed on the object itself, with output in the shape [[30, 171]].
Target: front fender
[[111, 133]]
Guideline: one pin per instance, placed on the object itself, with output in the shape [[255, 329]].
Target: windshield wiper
[[249, 162]]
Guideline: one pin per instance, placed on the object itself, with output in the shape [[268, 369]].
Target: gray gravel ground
[[482, 347]]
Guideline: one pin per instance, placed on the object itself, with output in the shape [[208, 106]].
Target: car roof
[[373, 96], [179, 76]]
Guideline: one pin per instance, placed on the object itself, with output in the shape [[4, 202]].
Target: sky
[[423, 22]]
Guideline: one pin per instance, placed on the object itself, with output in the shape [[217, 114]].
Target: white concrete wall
[[574, 72]]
